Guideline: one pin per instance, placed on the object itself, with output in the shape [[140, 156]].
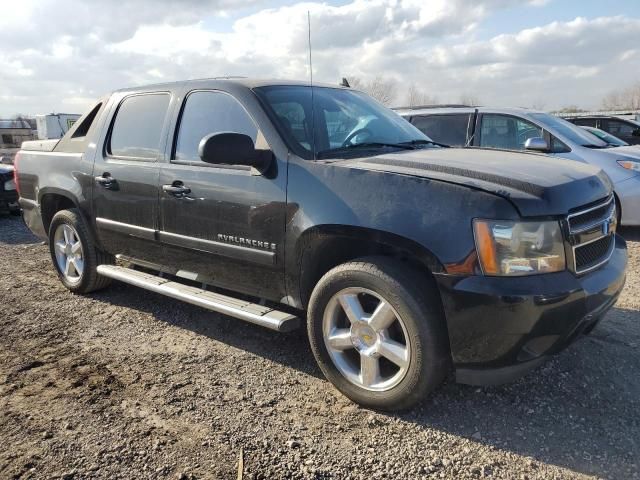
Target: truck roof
[[240, 81]]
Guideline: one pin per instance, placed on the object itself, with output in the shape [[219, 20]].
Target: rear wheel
[[74, 253], [377, 332]]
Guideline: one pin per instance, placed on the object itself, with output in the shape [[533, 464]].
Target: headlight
[[9, 185], [630, 165], [519, 248]]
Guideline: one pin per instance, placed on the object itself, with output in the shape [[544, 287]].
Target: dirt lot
[[128, 384]]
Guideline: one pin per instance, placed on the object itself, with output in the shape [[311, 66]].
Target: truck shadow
[[630, 234], [586, 397], [578, 411]]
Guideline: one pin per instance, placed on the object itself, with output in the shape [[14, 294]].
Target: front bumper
[[500, 327], [628, 192]]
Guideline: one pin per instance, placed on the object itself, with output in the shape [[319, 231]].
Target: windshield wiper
[[365, 146], [426, 142]]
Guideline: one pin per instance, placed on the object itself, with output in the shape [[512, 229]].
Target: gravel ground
[[128, 384]]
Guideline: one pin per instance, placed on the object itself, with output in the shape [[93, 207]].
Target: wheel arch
[[323, 247], [53, 200]]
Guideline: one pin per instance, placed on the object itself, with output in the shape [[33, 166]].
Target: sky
[[61, 55]]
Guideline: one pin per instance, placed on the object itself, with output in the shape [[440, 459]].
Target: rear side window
[[585, 122], [137, 128], [85, 124], [447, 129], [620, 129], [209, 112]]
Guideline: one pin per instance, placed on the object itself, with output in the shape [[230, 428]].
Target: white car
[[524, 129]]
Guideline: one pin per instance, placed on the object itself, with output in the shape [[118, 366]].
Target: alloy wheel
[[69, 253], [366, 339]]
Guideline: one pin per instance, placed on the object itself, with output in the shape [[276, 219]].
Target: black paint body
[[8, 198], [272, 234]]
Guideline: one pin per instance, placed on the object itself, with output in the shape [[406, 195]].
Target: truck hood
[[537, 185]]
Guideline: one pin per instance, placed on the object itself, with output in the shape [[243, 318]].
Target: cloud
[[57, 54]]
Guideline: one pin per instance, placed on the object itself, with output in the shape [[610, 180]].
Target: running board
[[234, 307]]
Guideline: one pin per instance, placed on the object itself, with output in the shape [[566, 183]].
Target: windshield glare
[[341, 118], [570, 131]]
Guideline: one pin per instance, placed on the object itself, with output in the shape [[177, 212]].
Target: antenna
[[310, 62], [313, 115]]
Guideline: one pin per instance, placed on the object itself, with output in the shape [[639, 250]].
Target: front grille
[[588, 222], [591, 254], [591, 217]]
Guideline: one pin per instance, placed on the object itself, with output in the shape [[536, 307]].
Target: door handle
[[176, 189], [106, 181]]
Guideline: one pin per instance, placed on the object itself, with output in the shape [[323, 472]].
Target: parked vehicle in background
[[8, 193], [624, 129], [611, 140], [404, 258], [524, 129]]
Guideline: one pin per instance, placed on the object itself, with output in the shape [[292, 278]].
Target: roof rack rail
[[227, 77], [443, 105]]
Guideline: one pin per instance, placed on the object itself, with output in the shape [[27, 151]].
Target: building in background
[[55, 125], [12, 134]]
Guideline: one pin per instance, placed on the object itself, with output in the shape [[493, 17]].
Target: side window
[[503, 131], [447, 129], [557, 146], [138, 126], [85, 124], [619, 129], [585, 122], [210, 112]]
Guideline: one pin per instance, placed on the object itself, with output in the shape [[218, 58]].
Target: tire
[[416, 339], [81, 276]]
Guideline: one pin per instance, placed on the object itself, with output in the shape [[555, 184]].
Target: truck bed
[[40, 145]]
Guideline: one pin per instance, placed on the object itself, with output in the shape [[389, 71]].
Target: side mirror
[[536, 144], [229, 148], [636, 132]]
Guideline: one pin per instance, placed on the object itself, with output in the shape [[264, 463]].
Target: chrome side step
[[234, 307]]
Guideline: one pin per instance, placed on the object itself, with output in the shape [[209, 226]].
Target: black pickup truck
[[279, 203]]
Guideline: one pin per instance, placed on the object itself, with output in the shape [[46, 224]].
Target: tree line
[[389, 92]]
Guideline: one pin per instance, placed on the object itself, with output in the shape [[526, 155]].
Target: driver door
[[506, 131], [228, 230]]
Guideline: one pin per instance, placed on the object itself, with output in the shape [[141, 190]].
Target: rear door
[[621, 129], [228, 230], [125, 175], [449, 129]]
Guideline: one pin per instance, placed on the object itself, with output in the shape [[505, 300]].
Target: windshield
[[570, 131], [610, 139], [343, 120]]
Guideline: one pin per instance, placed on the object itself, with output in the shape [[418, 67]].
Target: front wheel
[[377, 331], [74, 253]]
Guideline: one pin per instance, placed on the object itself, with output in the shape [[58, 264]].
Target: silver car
[[524, 129]]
